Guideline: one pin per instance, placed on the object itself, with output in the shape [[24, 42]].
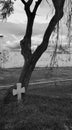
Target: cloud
[[10, 41], [10, 44], [37, 39]]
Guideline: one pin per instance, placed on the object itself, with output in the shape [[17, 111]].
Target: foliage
[[68, 13], [69, 21], [7, 8], [4, 56], [53, 58]]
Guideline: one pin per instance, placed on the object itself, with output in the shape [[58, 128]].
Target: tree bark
[[31, 59], [30, 64]]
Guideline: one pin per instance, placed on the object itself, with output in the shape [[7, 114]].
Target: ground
[[45, 106]]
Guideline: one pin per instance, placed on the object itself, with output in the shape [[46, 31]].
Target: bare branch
[[23, 1], [29, 2], [27, 7], [47, 2], [55, 19], [36, 6], [27, 10]]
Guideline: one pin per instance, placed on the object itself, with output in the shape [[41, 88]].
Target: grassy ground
[[10, 76], [37, 113], [46, 107]]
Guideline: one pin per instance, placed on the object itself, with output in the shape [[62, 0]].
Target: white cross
[[18, 91]]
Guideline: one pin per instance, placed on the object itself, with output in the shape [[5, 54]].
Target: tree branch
[[23, 1], [47, 2], [58, 5], [29, 2], [55, 19], [43, 46], [27, 6], [36, 6]]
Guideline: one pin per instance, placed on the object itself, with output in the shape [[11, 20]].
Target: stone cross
[[18, 91]]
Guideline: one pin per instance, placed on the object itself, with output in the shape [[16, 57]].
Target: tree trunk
[[26, 74], [32, 60]]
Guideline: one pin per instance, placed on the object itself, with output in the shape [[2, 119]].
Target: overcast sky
[[14, 32], [20, 17]]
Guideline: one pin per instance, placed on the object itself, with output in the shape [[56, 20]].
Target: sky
[[12, 33], [19, 18], [14, 30], [19, 15]]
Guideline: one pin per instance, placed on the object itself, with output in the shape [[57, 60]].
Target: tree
[[29, 57]]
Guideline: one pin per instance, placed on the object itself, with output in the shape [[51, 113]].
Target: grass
[[46, 108], [10, 76], [37, 113]]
